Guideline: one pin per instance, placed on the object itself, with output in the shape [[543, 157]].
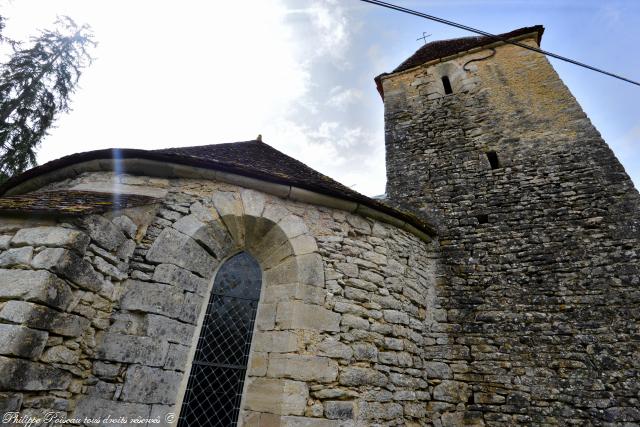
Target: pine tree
[[35, 86]]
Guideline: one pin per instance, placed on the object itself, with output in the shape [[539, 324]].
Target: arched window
[[214, 389]]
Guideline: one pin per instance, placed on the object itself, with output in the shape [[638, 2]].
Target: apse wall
[[101, 315]]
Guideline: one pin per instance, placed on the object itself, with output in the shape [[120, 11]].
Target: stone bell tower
[[540, 235]]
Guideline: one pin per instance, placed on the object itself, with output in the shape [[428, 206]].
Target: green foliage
[[35, 86]]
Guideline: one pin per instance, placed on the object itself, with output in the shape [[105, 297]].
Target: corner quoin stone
[[284, 397], [151, 385], [298, 315]]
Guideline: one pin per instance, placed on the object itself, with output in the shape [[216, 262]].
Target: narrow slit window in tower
[[214, 388], [447, 85], [482, 218], [493, 159]]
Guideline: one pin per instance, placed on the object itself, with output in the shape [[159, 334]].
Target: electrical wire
[[498, 38]]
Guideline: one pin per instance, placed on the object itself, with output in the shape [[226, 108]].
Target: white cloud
[[179, 74], [324, 31], [351, 155], [341, 98]]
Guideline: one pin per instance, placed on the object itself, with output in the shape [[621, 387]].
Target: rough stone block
[[150, 385], [176, 276], [106, 370], [468, 418], [69, 265], [60, 354], [303, 368], [354, 376], [348, 269], [380, 411], [395, 316], [20, 374], [108, 269], [52, 237], [169, 329], [10, 402], [284, 397], [102, 231], [452, 391], [37, 286], [128, 323], [298, 315], [132, 349], [437, 370], [622, 414], [126, 249], [365, 351], [126, 225], [354, 322], [152, 298], [93, 407], [488, 398], [173, 247], [4, 240], [339, 410], [20, 341], [333, 348], [16, 256]]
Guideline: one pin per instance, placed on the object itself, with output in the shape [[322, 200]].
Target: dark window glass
[[220, 363], [447, 85]]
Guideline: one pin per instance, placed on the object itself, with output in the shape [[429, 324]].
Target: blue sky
[[300, 72]]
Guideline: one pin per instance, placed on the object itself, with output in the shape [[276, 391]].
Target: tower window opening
[[447, 85], [492, 156], [482, 218]]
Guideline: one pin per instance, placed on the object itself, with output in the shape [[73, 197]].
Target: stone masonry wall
[[541, 254], [59, 281], [345, 310]]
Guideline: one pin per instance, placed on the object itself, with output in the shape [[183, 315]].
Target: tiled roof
[[443, 48], [258, 158], [70, 202], [254, 159]]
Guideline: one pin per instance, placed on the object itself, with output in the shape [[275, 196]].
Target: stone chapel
[[496, 284]]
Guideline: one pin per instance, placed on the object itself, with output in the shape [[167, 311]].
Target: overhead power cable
[[496, 37]]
